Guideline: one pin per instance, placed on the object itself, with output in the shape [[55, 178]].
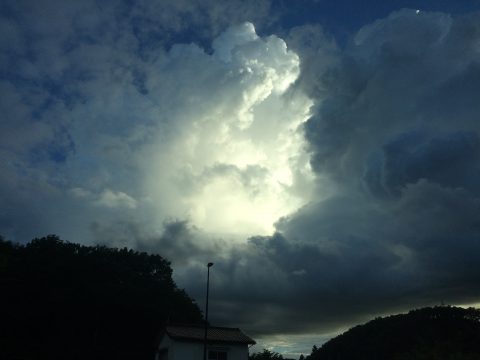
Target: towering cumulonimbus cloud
[[394, 137], [209, 138], [229, 155]]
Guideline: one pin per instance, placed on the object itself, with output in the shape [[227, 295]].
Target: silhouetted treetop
[[266, 355], [443, 332], [63, 300]]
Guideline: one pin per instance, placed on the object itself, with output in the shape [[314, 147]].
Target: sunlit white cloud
[[210, 138], [230, 155]]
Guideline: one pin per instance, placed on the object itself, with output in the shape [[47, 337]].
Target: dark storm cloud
[[396, 134], [180, 242], [451, 160], [398, 75]]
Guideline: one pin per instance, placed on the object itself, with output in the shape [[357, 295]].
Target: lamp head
[[210, 264]]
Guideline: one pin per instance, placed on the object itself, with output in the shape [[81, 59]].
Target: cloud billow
[[394, 142], [178, 135], [398, 136]]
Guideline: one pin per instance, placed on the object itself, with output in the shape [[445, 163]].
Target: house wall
[[182, 350], [166, 343], [185, 350], [235, 352]]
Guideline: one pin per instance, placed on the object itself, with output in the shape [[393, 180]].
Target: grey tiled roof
[[220, 334]]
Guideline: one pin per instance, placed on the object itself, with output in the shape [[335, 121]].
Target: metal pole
[[209, 265]]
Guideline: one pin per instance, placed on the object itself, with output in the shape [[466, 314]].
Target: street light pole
[[209, 265]]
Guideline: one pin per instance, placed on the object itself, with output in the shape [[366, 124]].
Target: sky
[[325, 155]]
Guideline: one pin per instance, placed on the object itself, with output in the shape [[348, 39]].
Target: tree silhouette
[[266, 355], [62, 300], [440, 333]]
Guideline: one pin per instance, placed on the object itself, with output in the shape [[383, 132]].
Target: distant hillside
[[438, 333], [60, 300]]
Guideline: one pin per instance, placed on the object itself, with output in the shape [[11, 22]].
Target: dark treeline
[[438, 333], [60, 300], [266, 355]]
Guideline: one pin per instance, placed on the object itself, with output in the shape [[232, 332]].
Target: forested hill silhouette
[[61, 300], [438, 333]]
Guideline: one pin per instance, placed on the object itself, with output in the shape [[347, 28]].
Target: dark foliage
[[266, 355], [61, 300], [438, 333]]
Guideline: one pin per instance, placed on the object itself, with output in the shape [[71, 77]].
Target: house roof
[[214, 333]]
